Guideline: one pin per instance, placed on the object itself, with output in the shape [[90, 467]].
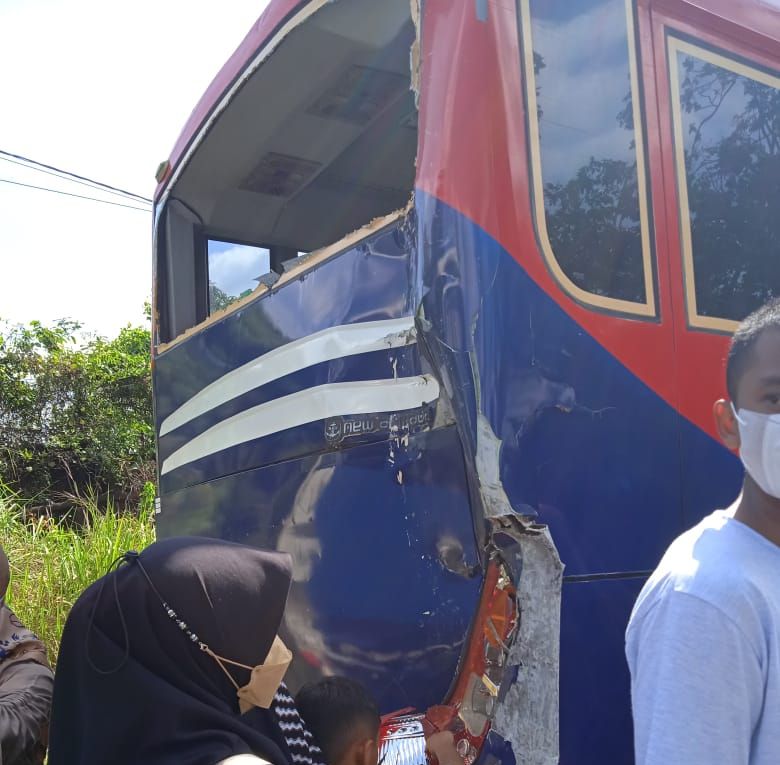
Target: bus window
[[587, 152], [727, 144], [317, 140], [234, 271]]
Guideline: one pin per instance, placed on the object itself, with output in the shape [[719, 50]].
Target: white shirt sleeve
[[696, 685], [243, 759]]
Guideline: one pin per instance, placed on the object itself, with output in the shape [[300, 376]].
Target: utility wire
[[77, 196], [74, 175], [88, 184]]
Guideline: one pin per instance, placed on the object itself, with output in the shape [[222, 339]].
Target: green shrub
[[53, 562], [75, 410]]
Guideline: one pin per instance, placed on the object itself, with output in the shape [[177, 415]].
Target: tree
[[219, 299], [75, 410]]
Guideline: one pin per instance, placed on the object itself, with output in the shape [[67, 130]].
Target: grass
[[53, 562]]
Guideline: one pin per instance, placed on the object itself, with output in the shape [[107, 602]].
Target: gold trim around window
[[646, 309], [674, 46]]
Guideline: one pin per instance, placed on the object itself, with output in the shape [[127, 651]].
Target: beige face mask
[[266, 677]]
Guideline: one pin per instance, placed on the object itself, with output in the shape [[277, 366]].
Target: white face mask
[[760, 448]]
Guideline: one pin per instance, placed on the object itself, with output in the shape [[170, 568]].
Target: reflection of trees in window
[[588, 145], [731, 135], [538, 66], [594, 227]]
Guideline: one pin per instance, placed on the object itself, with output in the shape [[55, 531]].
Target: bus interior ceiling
[[322, 137]]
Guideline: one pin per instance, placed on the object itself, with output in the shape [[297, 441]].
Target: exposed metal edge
[[528, 716], [308, 263]]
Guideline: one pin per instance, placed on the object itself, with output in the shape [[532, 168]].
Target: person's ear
[[726, 424]]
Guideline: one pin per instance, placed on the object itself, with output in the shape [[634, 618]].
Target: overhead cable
[[77, 196], [67, 173]]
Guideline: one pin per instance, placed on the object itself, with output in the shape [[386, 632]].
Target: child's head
[[343, 718]]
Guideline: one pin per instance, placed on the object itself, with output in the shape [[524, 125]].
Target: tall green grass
[[53, 562]]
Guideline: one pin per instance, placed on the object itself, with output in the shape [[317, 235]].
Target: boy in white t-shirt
[[703, 642]]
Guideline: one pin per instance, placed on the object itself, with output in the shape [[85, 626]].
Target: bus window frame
[[206, 236], [649, 309], [676, 42], [202, 307], [299, 269]]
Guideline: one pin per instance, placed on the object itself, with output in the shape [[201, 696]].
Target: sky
[[235, 268], [101, 89], [579, 121]]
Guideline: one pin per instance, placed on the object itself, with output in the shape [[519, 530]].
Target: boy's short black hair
[[334, 710], [745, 338]]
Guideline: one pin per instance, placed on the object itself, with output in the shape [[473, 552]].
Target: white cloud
[[102, 90], [236, 269], [580, 121]]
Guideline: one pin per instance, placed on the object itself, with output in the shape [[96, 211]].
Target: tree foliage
[[218, 298], [75, 410]]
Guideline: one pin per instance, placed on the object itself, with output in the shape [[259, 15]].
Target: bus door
[[716, 101]]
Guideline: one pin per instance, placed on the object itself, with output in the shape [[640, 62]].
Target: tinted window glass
[[234, 271], [729, 127], [587, 145]]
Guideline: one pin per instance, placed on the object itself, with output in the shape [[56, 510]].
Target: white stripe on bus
[[327, 345], [305, 406]]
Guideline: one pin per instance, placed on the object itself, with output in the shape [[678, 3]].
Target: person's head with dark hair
[[750, 421], [343, 718], [744, 341]]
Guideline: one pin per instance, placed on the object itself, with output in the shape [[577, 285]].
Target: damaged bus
[[443, 290]]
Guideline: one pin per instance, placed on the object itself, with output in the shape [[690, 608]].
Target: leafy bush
[[53, 562], [75, 410]]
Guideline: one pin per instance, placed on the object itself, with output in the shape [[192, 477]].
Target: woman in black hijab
[[161, 658]]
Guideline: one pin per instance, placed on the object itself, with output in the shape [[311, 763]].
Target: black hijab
[[131, 687]]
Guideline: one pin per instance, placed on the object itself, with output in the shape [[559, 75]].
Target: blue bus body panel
[[595, 687], [582, 445], [371, 522], [371, 597]]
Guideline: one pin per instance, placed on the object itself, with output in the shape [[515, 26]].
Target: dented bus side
[[423, 320]]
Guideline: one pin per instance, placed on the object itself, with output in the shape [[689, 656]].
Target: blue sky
[[101, 89], [235, 268]]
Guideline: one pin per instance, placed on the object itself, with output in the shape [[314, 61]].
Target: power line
[[77, 196], [74, 175], [88, 184]]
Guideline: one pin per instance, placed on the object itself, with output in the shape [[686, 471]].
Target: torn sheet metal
[[487, 463], [493, 406], [527, 716]]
